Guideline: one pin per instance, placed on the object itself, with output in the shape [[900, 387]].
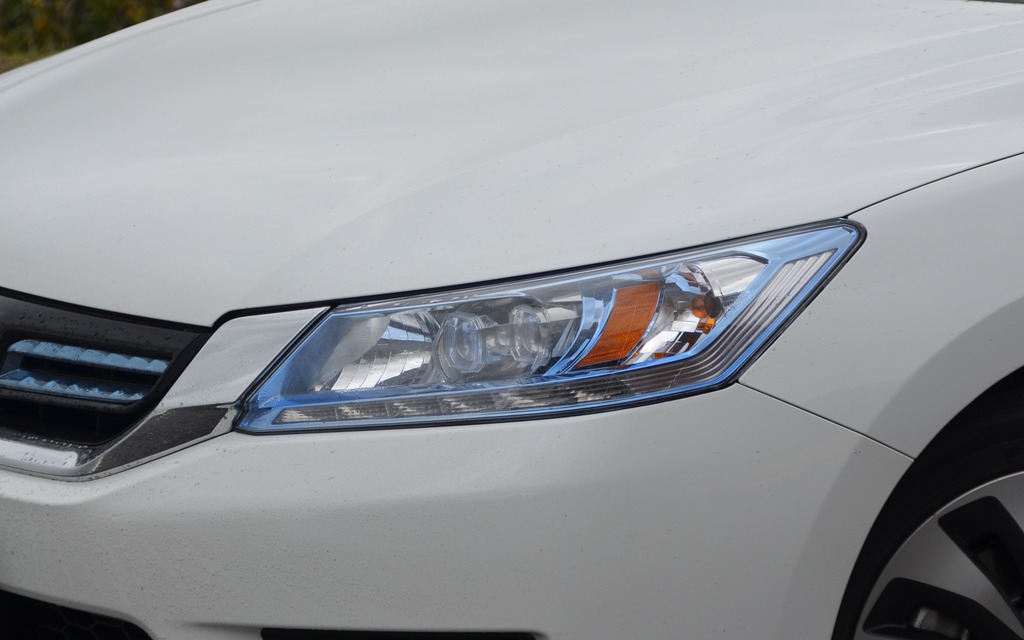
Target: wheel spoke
[[988, 534], [945, 582], [917, 611]]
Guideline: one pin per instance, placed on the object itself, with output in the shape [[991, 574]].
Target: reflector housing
[[592, 340]]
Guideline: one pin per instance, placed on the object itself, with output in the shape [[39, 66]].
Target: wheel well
[[963, 434], [982, 442]]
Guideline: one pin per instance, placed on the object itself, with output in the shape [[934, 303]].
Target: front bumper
[[728, 514]]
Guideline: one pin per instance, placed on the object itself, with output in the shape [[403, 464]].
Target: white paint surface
[[292, 151], [726, 515]]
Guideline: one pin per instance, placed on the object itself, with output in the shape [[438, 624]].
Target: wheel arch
[[983, 442], [922, 321]]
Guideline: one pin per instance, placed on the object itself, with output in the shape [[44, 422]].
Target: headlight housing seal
[[589, 340]]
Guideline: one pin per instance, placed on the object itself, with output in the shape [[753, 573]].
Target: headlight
[[591, 340]]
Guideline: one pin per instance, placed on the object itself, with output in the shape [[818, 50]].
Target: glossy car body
[[248, 162]]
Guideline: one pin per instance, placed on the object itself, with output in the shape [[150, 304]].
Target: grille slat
[[108, 360], [73, 387], [83, 378]]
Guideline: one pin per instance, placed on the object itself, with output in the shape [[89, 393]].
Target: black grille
[[27, 619], [82, 377]]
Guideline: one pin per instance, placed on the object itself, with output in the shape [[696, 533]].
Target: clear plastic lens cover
[[595, 339]]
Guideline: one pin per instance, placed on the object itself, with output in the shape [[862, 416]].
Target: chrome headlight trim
[[313, 388]]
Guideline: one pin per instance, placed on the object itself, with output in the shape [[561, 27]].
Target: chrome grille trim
[[201, 404], [84, 377], [33, 455]]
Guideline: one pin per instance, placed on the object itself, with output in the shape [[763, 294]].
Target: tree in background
[[32, 28]]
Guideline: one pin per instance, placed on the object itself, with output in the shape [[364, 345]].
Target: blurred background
[[32, 29]]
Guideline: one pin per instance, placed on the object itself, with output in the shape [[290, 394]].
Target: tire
[[945, 558]]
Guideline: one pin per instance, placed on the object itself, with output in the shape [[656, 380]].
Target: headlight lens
[[590, 340]]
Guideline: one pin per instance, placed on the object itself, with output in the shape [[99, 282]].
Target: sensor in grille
[[69, 371]]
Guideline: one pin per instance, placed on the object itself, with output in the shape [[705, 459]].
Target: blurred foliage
[[10, 60], [34, 28]]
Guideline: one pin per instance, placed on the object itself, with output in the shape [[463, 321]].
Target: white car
[[517, 320]]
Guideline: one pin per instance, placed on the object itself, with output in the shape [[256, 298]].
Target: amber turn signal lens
[[632, 311]]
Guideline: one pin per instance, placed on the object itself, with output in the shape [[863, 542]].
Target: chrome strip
[[30, 456], [199, 406]]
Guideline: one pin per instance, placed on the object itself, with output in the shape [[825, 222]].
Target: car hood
[[245, 155]]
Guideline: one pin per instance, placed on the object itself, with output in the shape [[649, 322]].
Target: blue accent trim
[[90, 357], [73, 387], [739, 337], [34, 366]]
